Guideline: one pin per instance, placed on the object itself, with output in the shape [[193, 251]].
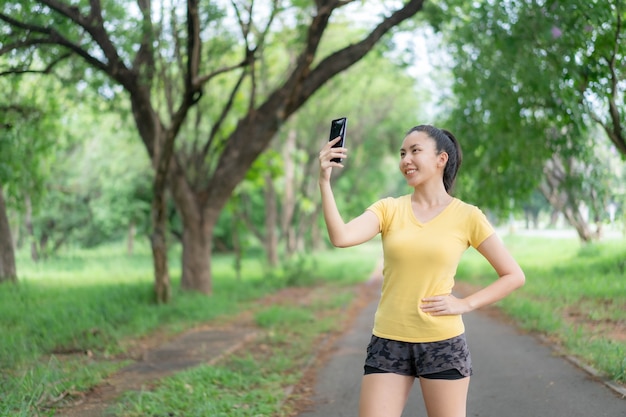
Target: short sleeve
[[381, 210], [480, 228]]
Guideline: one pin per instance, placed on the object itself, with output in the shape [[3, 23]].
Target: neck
[[435, 196]]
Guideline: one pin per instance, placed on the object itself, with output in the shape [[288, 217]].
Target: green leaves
[[29, 127], [526, 76]]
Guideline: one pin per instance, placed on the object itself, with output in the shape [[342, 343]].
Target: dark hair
[[444, 142]]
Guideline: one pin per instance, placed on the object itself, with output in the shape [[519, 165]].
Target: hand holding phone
[[338, 127]]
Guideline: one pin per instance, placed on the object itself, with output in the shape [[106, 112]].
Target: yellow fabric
[[420, 260]]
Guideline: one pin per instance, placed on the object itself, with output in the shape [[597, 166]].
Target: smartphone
[[338, 128]]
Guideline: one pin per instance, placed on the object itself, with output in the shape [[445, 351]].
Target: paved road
[[514, 376]]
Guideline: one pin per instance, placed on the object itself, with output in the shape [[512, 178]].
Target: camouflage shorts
[[416, 359]]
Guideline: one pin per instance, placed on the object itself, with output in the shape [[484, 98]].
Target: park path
[[515, 375]]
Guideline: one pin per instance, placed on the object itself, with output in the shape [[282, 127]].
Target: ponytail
[[455, 157]]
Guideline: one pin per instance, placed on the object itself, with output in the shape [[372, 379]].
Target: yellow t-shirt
[[420, 260]]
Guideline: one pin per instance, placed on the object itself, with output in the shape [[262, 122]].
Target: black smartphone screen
[[338, 128]]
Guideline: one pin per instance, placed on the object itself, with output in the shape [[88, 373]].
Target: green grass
[[234, 389], [91, 302], [95, 301], [254, 383], [573, 293]]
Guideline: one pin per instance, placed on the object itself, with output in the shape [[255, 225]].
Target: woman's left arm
[[510, 277]]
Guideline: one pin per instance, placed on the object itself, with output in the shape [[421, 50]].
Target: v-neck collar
[[419, 222]]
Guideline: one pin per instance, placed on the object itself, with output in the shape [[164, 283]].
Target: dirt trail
[[158, 358], [195, 347]]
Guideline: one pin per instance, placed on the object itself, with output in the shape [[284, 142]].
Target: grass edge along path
[[574, 298], [263, 378]]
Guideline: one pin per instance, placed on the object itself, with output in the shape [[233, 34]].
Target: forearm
[[341, 234], [334, 222], [496, 291]]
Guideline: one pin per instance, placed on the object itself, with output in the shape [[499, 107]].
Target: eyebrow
[[415, 145]]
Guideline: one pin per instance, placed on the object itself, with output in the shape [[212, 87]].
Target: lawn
[[67, 324]]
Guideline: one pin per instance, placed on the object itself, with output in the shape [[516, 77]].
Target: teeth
[[410, 171]]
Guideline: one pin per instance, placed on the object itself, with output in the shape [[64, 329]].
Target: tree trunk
[[18, 238], [162, 287], [236, 246], [289, 201], [563, 200], [7, 253], [271, 221], [197, 233], [159, 143], [317, 240], [554, 217], [130, 242], [575, 218], [34, 253], [197, 257]]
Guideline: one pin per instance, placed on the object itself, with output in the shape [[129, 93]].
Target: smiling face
[[419, 161]]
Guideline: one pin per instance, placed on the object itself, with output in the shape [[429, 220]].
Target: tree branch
[[617, 133], [614, 128], [218, 124], [245, 32], [193, 49], [300, 85], [92, 24], [52, 38], [145, 54], [342, 59], [166, 80], [201, 80], [47, 70]]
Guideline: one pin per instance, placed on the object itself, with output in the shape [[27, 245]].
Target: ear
[[442, 159]]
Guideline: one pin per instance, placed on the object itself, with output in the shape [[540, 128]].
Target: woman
[[418, 330]]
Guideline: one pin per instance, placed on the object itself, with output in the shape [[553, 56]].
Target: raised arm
[[341, 234]]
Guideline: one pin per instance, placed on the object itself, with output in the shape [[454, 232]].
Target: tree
[[166, 60], [279, 200], [529, 80], [26, 138]]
